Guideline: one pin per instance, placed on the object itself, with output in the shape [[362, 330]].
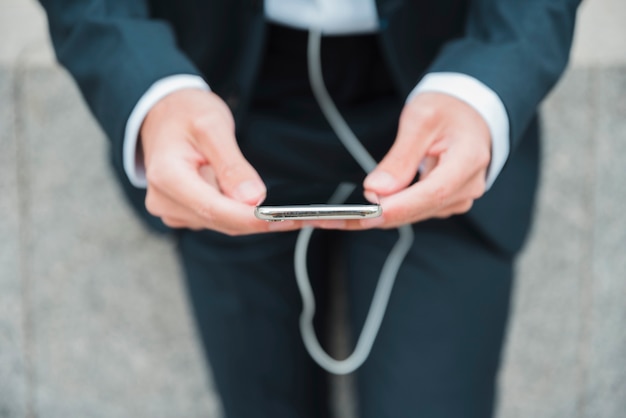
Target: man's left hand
[[451, 142]]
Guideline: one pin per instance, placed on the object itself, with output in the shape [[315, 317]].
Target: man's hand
[[452, 142], [197, 176]]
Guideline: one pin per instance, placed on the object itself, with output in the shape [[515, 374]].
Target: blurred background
[[93, 319]]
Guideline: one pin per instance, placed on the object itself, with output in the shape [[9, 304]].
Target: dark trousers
[[438, 350]]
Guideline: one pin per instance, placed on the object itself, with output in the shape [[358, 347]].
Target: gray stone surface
[[600, 34], [542, 371], [112, 336], [22, 24], [605, 390], [567, 343], [13, 381]]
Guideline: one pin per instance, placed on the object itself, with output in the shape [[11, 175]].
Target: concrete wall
[[93, 320]]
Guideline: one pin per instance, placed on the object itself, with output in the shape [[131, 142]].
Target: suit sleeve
[[517, 48], [115, 51]]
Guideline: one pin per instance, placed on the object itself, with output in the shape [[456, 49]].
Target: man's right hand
[[197, 176]]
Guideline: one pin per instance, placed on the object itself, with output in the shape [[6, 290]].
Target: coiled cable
[[393, 262]]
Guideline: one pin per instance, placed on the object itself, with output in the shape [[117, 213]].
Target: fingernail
[[380, 180], [250, 192], [371, 197]]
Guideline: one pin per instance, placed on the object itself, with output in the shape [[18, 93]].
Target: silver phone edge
[[321, 212]]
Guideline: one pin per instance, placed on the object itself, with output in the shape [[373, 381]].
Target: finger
[[452, 181], [394, 222], [236, 177], [457, 208], [326, 224], [177, 223], [196, 223], [416, 132], [436, 201], [183, 208], [183, 184], [427, 165], [349, 224], [208, 174], [171, 213], [283, 226]]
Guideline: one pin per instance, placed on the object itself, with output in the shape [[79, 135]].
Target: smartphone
[[315, 201]]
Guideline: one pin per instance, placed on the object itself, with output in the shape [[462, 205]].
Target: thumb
[[235, 176], [399, 166]]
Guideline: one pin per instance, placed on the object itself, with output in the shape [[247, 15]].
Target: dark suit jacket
[[116, 49]]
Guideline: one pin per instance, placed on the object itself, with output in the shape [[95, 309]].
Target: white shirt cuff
[[485, 101], [133, 167]]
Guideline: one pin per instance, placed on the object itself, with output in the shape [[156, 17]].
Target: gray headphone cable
[[392, 263]]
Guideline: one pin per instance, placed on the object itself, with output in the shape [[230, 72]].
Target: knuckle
[[415, 117], [440, 195], [157, 174], [420, 112], [206, 213], [478, 189], [153, 176], [204, 124], [233, 233], [171, 222], [402, 215], [152, 204], [230, 230], [395, 163], [465, 207], [458, 209], [230, 171], [247, 227]]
